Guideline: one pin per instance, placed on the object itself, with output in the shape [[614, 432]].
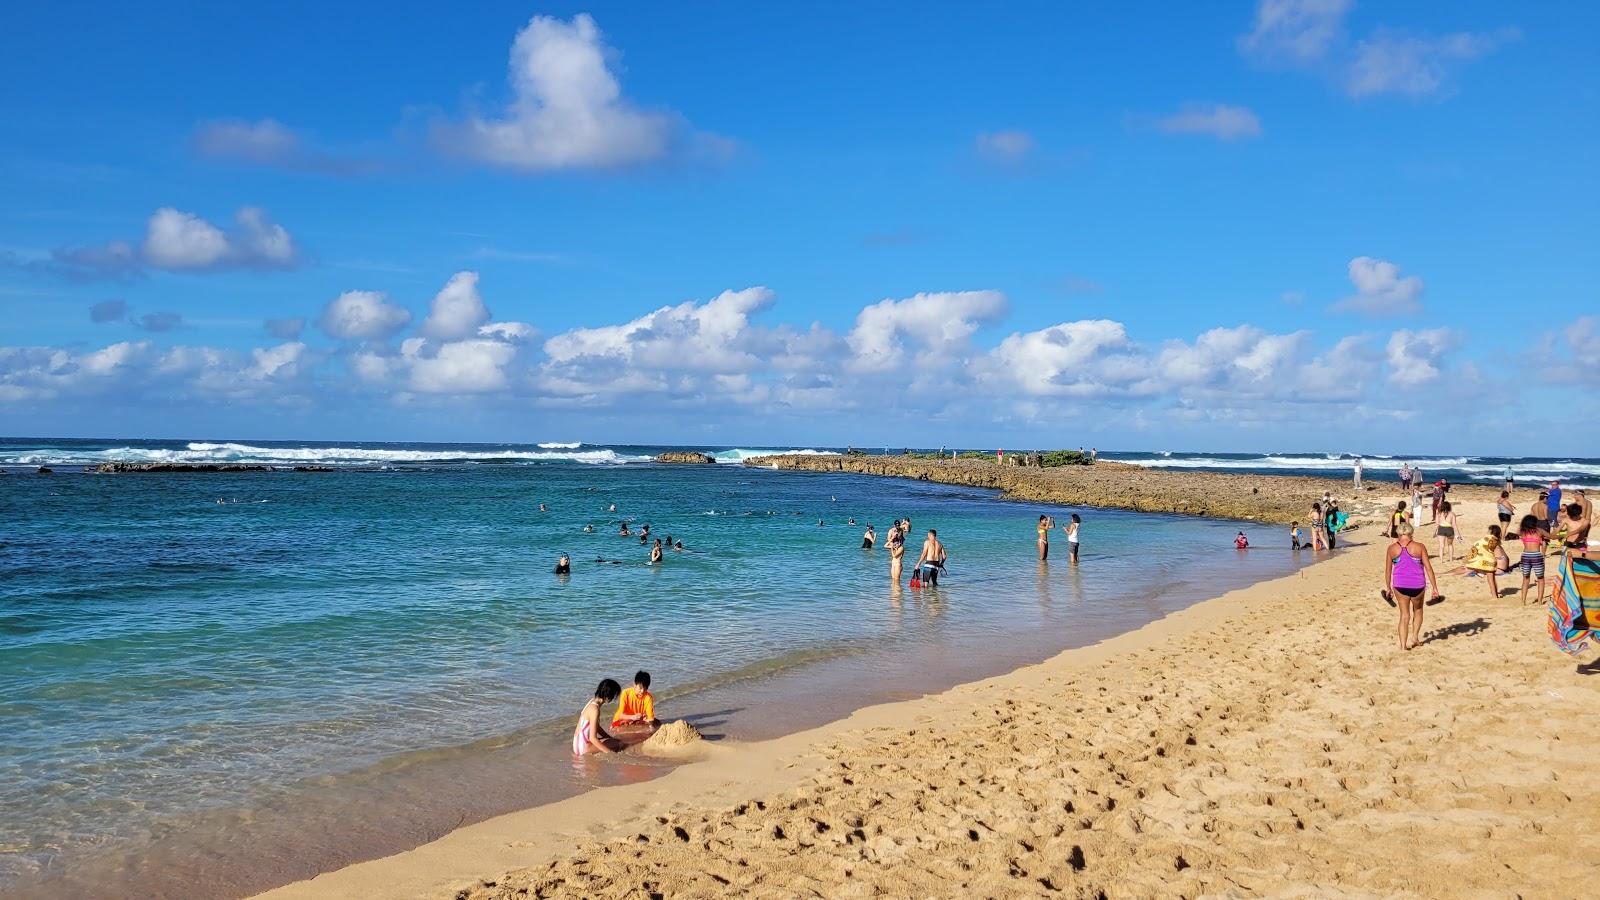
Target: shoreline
[[466, 857], [1276, 499], [1244, 746]]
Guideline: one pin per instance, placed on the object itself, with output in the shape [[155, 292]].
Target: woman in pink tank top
[[1407, 572]]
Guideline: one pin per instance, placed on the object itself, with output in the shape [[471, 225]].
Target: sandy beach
[[1272, 741]]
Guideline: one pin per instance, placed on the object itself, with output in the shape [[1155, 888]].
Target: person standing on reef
[[1094, 454], [1358, 473], [1511, 481], [1000, 456], [1405, 478]]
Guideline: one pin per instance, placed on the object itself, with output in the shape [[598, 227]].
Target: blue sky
[[1307, 224]]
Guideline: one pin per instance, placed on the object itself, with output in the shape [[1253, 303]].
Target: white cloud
[[1298, 31], [363, 315], [939, 325], [1310, 34], [1414, 357], [567, 110], [714, 336], [1380, 290], [1393, 63], [515, 332], [1244, 355], [457, 309], [178, 241], [1008, 147], [1065, 359], [462, 367], [1218, 120]]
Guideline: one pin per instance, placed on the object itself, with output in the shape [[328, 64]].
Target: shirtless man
[[1577, 524], [868, 538], [931, 561]]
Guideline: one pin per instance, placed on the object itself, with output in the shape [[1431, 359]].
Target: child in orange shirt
[[636, 706]]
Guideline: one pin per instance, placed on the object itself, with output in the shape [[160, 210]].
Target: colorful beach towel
[[1575, 604]]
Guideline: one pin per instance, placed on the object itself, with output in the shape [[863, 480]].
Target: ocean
[[235, 680]]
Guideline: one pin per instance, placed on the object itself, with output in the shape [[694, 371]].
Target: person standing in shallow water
[[897, 551], [1072, 537], [1045, 524]]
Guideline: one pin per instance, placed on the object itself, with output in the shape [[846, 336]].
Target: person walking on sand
[[1416, 503], [1446, 531], [1440, 488], [1407, 572], [1504, 509], [1072, 537], [1045, 524], [1405, 478], [1358, 473]]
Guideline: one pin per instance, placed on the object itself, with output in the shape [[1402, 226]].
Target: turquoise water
[[165, 657]]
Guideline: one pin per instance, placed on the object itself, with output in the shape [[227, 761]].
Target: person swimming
[[655, 553], [625, 532], [588, 529], [563, 565], [543, 508], [868, 538]]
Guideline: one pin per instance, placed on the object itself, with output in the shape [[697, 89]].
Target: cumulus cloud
[[515, 332], [567, 109], [1414, 357], [460, 367], [938, 325], [177, 241], [1217, 120], [1380, 289], [363, 315], [1006, 147], [714, 336], [108, 311], [1310, 34], [457, 309], [1067, 359]]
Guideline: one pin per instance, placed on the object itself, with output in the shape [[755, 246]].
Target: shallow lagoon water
[[332, 665]]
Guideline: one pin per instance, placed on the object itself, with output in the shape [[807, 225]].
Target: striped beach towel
[[1575, 604]]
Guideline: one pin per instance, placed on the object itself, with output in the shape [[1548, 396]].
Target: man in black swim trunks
[[931, 561]]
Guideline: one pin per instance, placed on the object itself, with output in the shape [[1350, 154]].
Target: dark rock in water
[[112, 468], [45, 470], [684, 456]]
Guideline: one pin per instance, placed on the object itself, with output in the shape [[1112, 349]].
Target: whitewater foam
[[206, 452], [738, 456]]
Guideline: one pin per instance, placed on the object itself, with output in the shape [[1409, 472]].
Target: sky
[[1294, 224]]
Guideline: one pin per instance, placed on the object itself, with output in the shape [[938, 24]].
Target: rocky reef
[[112, 468], [1261, 498], [684, 457]]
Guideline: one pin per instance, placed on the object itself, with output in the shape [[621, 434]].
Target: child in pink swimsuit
[[588, 736]]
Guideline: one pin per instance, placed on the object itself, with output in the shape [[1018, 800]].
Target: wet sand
[[1274, 740], [1261, 498]]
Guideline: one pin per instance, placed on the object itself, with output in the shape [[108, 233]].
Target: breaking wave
[[202, 452], [734, 457]]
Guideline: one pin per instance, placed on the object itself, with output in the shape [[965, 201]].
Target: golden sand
[[671, 739], [1273, 741]]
